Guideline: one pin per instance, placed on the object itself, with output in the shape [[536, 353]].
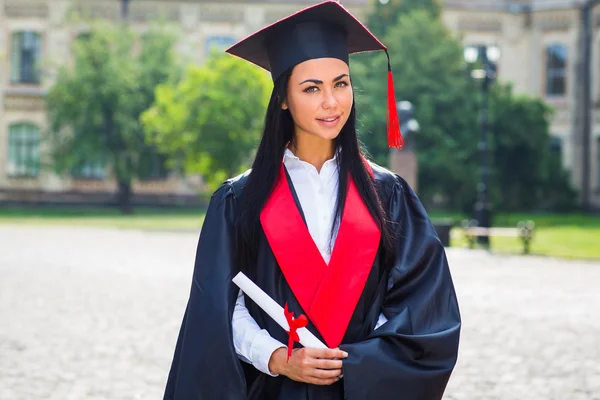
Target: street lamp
[[487, 56], [406, 112], [405, 162]]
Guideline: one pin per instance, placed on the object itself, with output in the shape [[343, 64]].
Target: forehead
[[320, 68]]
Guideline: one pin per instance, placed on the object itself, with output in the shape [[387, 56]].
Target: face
[[319, 97]]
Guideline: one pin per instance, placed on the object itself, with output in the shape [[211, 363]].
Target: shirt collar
[[289, 155]]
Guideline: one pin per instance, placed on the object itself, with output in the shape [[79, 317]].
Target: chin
[[329, 135]]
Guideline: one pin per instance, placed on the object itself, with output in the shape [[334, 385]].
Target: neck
[[312, 149]]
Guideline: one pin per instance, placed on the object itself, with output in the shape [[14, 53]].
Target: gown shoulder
[[230, 190], [389, 183]]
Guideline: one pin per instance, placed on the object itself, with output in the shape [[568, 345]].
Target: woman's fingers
[[326, 373], [326, 353], [322, 363], [315, 366]]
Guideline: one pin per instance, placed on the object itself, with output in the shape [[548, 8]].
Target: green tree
[[211, 121], [429, 71], [527, 173], [95, 104], [384, 15]]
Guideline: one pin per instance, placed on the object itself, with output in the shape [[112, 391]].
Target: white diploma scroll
[[275, 311]]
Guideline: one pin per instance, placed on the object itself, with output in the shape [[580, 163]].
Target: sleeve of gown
[[253, 345], [205, 364], [412, 355]]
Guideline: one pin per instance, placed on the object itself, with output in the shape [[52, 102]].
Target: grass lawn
[[558, 235], [141, 219], [558, 241]]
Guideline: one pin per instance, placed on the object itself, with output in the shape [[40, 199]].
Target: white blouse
[[317, 193]]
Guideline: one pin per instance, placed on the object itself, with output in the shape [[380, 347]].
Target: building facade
[[542, 56], [539, 56], [37, 35]]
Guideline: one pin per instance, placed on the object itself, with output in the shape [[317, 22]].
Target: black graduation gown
[[409, 357]]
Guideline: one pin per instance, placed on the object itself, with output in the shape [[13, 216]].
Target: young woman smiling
[[325, 232]]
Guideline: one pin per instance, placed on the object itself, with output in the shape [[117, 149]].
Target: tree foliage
[[95, 103], [528, 172], [385, 15], [211, 121], [429, 71]]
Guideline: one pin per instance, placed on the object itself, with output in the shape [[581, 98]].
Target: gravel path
[[89, 313]]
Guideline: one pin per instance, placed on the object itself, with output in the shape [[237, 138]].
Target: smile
[[330, 119]]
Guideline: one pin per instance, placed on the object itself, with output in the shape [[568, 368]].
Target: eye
[[311, 89], [341, 84]]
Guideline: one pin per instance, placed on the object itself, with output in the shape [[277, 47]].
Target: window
[[556, 70], [25, 57], [23, 150], [218, 43], [89, 170], [91, 162], [153, 165]]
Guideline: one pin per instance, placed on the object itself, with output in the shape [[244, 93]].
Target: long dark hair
[[277, 133]]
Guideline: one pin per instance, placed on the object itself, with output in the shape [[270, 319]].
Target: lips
[[329, 119]]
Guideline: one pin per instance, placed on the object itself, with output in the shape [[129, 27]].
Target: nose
[[329, 100]]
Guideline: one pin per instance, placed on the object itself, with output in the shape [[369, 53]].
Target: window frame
[[553, 72], [25, 71], [156, 165], [23, 150], [90, 171]]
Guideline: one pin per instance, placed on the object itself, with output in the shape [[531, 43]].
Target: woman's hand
[[309, 365]]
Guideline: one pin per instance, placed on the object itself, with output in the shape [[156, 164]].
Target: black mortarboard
[[325, 30]]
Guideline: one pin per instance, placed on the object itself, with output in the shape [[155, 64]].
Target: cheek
[[345, 100], [303, 107], [344, 96]]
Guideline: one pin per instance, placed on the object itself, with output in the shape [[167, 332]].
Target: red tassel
[[395, 139]]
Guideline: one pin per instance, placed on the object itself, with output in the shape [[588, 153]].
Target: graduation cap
[[325, 30]]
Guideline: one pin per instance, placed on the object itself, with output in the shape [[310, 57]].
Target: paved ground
[[93, 314]]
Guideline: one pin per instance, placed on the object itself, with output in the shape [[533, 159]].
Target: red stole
[[327, 293]]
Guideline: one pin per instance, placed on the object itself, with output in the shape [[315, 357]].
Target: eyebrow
[[318, 82]]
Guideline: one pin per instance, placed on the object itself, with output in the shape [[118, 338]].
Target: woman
[[334, 237]]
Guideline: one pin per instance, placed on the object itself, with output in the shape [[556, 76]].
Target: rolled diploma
[[275, 311]]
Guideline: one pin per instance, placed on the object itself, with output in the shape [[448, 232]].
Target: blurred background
[[118, 118]]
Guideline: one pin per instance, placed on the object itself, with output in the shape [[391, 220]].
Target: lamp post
[[404, 163], [487, 56], [124, 9], [406, 113]]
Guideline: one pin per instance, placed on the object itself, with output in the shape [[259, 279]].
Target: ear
[[284, 105]]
